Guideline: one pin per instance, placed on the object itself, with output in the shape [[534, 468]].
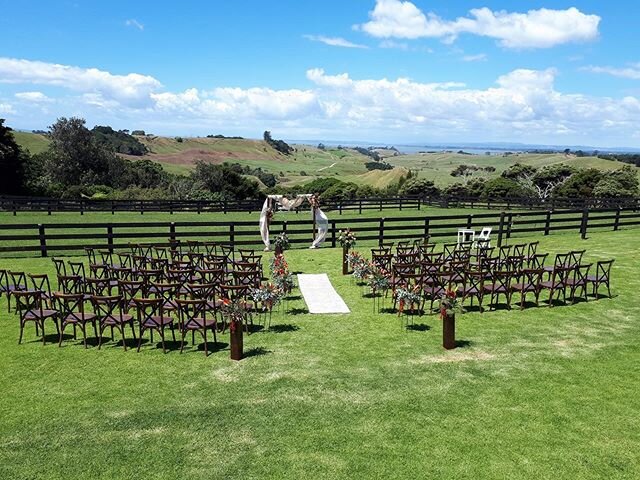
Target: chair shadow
[[372, 295], [283, 328], [211, 346], [296, 297], [255, 328], [463, 343], [298, 311], [256, 352], [419, 327]]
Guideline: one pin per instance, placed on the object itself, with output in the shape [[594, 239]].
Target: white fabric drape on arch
[[322, 222]]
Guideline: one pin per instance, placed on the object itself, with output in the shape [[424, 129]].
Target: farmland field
[[539, 393]]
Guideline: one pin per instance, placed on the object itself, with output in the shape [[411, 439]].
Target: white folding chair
[[483, 239]]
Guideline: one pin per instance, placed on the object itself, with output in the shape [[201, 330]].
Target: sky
[[381, 71]]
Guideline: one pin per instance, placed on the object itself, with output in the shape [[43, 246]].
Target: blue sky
[[388, 71]]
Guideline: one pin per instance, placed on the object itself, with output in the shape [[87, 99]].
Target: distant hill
[[306, 163]]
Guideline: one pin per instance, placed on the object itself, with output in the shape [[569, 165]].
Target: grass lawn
[[539, 393]]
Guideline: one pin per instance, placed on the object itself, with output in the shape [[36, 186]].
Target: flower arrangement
[[407, 297], [449, 303], [354, 258], [282, 276], [347, 239], [234, 311], [269, 215], [379, 281], [267, 296], [282, 241]]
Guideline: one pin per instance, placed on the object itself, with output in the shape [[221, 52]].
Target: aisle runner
[[319, 294]]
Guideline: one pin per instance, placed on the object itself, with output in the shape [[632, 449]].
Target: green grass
[[438, 166], [34, 142], [539, 393]]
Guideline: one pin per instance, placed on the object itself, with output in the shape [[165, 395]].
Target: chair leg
[[21, 330], [161, 331], [204, 334], [140, 338], [43, 336], [124, 340]]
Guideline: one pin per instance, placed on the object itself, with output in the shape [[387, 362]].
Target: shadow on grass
[[464, 343], [297, 297], [256, 352], [211, 347], [298, 311], [284, 328], [419, 327]]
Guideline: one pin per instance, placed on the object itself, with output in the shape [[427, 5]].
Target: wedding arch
[[320, 220]]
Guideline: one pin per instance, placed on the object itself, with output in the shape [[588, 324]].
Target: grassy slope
[[543, 393], [33, 142], [438, 166], [178, 157]]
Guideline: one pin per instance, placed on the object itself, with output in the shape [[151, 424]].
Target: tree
[[580, 185], [419, 186], [619, 183], [12, 160], [517, 171], [278, 145], [74, 156], [502, 188], [230, 184], [546, 180]]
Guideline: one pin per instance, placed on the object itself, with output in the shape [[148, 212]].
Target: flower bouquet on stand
[[449, 305], [281, 243], [234, 313], [347, 240], [265, 298], [379, 283], [408, 299]]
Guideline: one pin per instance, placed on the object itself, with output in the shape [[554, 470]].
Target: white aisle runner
[[319, 294]]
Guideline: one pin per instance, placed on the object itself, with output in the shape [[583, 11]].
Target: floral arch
[[320, 220]]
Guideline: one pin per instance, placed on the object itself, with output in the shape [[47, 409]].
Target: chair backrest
[[99, 270], [519, 250], [192, 313], [98, 286], [129, 289], [234, 292], [211, 248], [537, 260], [91, 255], [382, 261], [70, 284], [484, 234], [201, 291], [107, 307], [148, 309], [106, 257], [77, 268], [248, 278], [4, 281], [18, 280], [603, 270], [125, 260], [61, 268], [215, 276], [532, 249], [28, 301], [40, 282], [70, 305], [531, 277], [193, 246], [575, 256]]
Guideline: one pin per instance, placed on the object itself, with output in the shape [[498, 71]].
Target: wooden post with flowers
[[448, 304], [234, 311], [347, 240]]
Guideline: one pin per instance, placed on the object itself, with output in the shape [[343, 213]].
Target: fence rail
[[50, 205], [45, 239]]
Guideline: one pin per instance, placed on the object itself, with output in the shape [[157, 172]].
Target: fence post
[[48, 206], [199, 205], [232, 233], [419, 203], [616, 222], [426, 228], [500, 228], [170, 207], [172, 235], [509, 225], [113, 208], [584, 223], [340, 208], [15, 211], [141, 208], [380, 204], [81, 207], [224, 207], [284, 226], [43, 240], [360, 207], [333, 233], [469, 221], [110, 237], [381, 232], [547, 223], [400, 203]]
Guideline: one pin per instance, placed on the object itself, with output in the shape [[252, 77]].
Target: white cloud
[[132, 22], [632, 71], [132, 89], [480, 57], [522, 105], [36, 97], [334, 41], [6, 108], [541, 28], [393, 44]]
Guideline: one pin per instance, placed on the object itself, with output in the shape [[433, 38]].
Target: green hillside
[[178, 156], [33, 142]]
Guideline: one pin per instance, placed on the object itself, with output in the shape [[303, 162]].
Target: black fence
[[45, 239], [50, 205]]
